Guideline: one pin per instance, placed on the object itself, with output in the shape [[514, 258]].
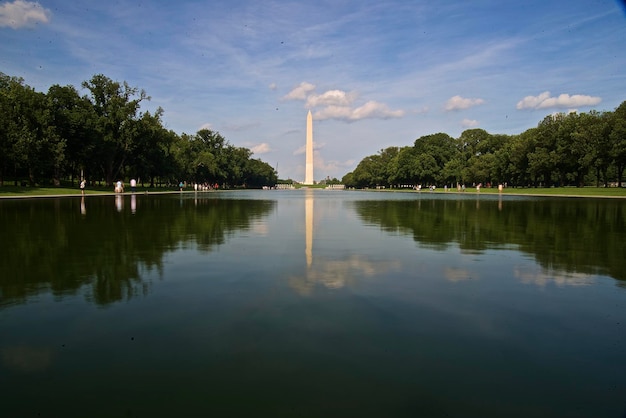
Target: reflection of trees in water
[[574, 235], [48, 244]]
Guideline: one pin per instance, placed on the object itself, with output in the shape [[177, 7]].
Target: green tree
[[402, 169], [212, 158], [240, 169], [440, 149], [519, 149], [36, 147], [453, 170], [116, 108], [544, 160], [591, 142], [617, 138], [376, 170], [259, 174], [472, 145], [72, 117], [10, 88], [348, 180], [152, 155]]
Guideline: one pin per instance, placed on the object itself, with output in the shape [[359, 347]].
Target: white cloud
[[337, 104], [469, 123], [370, 110], [262, 148], [374, 109], [272, 86], [205, 126], [20, 13], [459, 103], [533, 102], [330, 98], [334, 112], [544, 100], [300, 92]]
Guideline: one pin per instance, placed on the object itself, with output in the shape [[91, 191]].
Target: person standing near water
[[133, 184], [82, 186]]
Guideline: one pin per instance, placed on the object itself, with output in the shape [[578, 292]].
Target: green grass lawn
[[559, 191], [530, 191]]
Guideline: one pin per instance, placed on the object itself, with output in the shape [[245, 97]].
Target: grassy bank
[[558, 191], [538, 191]]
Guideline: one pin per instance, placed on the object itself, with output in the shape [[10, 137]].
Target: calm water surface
[[313, 303]]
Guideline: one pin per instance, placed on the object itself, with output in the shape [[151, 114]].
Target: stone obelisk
[[308, 177]]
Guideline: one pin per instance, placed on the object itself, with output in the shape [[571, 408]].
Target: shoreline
[[497, 193], [98, 194], [438, 192]]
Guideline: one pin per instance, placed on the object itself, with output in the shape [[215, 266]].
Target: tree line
[[573, 149], [49, 138]]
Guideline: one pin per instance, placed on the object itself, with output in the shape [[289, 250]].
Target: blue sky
[[374, 73]]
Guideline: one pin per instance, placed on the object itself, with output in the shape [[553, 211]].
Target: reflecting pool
[[313, 303]]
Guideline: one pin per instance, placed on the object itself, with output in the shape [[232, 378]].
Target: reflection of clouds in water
[[260, 228], [456, 275], [541, 277], [335, 274], [26, 359]]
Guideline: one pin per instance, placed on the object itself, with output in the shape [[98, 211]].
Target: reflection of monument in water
[[308, 225], [308, 176], [330, 272]]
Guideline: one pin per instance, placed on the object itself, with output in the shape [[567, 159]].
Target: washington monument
[[308, 177]]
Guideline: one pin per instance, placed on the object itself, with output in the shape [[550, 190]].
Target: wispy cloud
[[460, 103], [370, 110], [563, 101], [20, 14]]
